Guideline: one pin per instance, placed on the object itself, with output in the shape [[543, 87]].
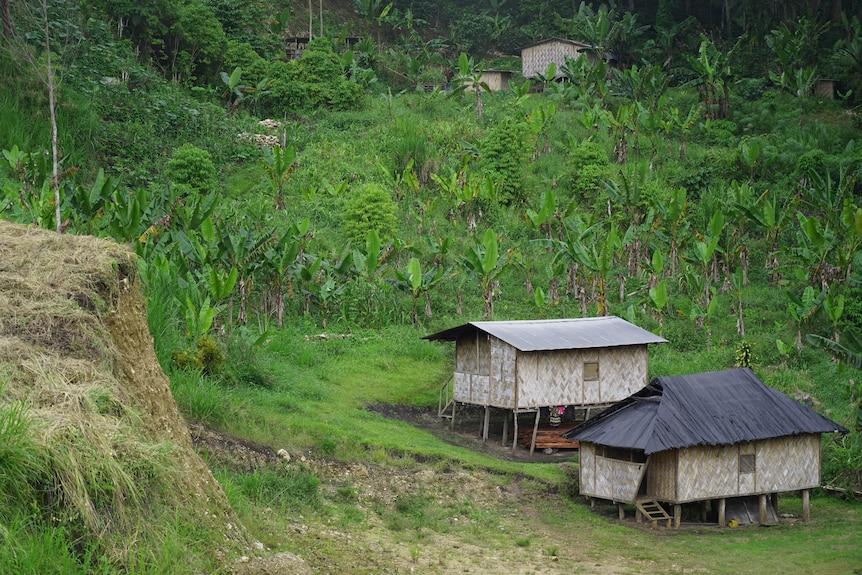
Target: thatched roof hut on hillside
[[527, 366], [706, 437]]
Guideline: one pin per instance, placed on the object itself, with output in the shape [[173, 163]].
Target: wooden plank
[[547, 437]]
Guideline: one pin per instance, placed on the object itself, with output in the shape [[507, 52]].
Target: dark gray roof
[[715, 408], [556, 334]]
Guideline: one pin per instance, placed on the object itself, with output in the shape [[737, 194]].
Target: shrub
[[315, 80], [369, 208], [207, 357], [506, 151], [193, 167], [588, 167]]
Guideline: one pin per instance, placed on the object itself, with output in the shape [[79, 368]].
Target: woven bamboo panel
[[604, 486], [496, 80], [484, 356], [557, 381], [503, 369], [461, 387], [788, 463], [707, 472], [479, 392], [622, 372], [587, 464], [465, 355], [747, 479], [661, 475], [535, 59], [617, 480], [626, 478]]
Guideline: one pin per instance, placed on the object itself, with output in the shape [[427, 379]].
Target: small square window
[[591, 370], [746, 464]]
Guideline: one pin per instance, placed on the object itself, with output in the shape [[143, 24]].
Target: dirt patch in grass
[[467, 431]]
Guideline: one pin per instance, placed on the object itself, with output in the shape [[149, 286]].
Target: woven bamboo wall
[[709, 472], [617, 480], [587, 469], [535, 59], [503, 369], [788, 463], [471, 381], [496, 80], [623, 371], [661, 475]]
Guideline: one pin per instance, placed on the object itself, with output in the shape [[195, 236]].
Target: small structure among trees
[[496, 80], [721, 438], [536, 57], [527, 366]]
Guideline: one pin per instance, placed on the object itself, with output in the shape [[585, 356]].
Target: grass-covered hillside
[[300, 225]]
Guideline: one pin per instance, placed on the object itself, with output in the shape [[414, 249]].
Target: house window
[[746, 463], [591, 371]]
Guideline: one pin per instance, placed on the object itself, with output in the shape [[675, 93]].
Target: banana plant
[[737, 281], [658, 301], [279, 164], [418, 284], [770, 216], [802, 308], [542, 220], [89, 203], [814, 243], [483, 262], [233, 90], [834, 308], [124, 219], [469, 78]]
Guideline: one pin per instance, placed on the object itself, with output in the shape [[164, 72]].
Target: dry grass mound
[[88, 425]]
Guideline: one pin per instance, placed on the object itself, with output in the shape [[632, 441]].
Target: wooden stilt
[[621, 508], [486, 422], [638, 515], [721, 506], [762, 509], [677, 515], [454, 410], [535, 431], [515, 439], [505, 429], [806, 505]]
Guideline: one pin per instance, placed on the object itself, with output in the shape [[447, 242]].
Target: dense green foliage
[[690, 190]]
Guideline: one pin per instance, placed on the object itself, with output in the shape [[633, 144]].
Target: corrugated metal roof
[[577, 43], [715, 408], [556, 334]]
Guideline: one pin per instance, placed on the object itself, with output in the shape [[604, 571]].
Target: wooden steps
[[652, 510], [547, 437]]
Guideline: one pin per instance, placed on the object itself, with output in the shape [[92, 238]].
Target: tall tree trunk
[[50, 82]]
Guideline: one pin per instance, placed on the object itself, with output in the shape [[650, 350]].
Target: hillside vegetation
[[299, 225]]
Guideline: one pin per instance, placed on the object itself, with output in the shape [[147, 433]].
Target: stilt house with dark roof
[[524, 366], [715, 438]]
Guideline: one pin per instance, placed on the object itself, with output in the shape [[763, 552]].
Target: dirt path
[[470, 521]]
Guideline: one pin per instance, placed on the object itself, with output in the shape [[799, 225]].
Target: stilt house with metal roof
[[535, 58], [723, 439], [524, 366]]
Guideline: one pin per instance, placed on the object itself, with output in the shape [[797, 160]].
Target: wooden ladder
[[446, 403], [653, 510]]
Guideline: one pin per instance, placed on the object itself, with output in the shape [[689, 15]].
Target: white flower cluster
[[271, 124]]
